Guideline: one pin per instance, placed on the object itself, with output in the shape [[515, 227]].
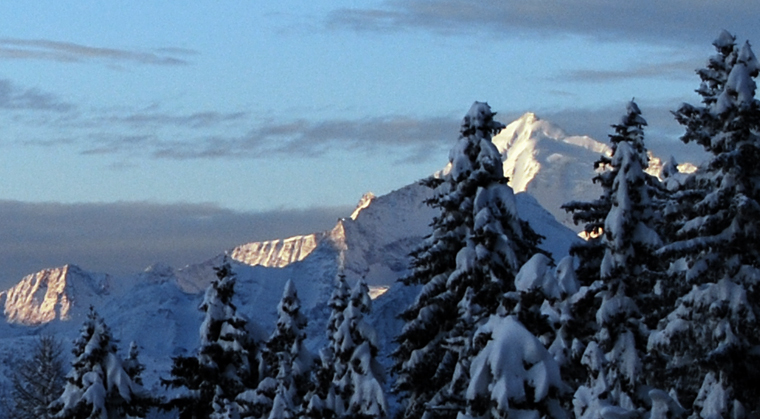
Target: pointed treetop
[[632, 107], [747, 57], [480, 118], [633, 116], [360, 296], [724, 40], [290, 290]]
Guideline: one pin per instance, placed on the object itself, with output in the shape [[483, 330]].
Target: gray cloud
[[67, 52], [126, 237], [13, 97], [673, 22], [405, 136], [195, 120], [680, 69]]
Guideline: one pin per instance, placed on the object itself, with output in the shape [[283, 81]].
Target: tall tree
[[478, 243], [628, 272], [225, 365], [98, 386], [37, 381], [709, 340]]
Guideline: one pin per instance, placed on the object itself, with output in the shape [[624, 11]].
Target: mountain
[[554, 167], [158, 308]]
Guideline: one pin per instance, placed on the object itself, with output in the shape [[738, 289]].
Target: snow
[[510, 361]]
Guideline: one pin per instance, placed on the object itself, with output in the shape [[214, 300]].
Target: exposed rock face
[[276, 253], [49, 294]]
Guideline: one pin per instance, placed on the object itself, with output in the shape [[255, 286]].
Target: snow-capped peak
[[540, 158], [363, 203]]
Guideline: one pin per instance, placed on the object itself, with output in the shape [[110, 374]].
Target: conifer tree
[[478, 243], [225, 365], [358, 376], [708, 340], [321, 402], [98, 386], [512, 375], [285, 363], [37, 381], [628, 271]]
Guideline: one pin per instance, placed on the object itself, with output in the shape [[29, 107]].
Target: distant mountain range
[[158, 308]]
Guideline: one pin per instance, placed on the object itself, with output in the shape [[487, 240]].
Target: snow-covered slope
[[550, 165]]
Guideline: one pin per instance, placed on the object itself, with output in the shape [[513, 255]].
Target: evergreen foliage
[[708, 342], [628, 271], [358, 376], [477, 245], [321, 401], [225, 365], [98, 386], [286, 365], [37, 381]]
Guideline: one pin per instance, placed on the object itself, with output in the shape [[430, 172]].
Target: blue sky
[[278, 117]]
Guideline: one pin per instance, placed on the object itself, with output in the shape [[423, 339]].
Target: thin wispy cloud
[[298, 138], [646, 20], [203, 119], [13, 97], [68, 52], [681, 70]]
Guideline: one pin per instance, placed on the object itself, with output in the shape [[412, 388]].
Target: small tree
[[37, 381], [98, 386], [226, 362], [285, 362], [359, 386], [321, 402]]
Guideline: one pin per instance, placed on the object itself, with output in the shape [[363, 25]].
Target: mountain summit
[[541, 159]]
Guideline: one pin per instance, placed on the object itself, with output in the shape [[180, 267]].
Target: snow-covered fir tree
[[98, 386], [320, 402], [226, 363], [513, 375], [592, 215], [37, 381], [709, 341], [285, 365], [132, 364], [628, 272], [358, 376], [477, 245]]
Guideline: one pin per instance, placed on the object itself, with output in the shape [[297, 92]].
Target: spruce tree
[[628, 272], [512, 375], [225, 365], [358, 376], [37, 381], [708, 341], [477, 245], [98, 386], [321, 401], [286, 364]]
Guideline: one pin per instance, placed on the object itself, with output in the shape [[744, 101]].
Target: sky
[[140, 132]]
